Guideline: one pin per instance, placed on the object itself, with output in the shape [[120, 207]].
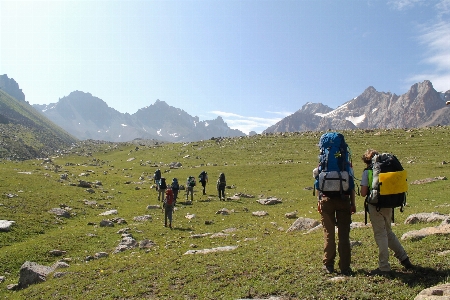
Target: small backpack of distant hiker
[[191, 181], [162, 183], [169, 200], [202, 176], [387, 182], [175, 184], [157, 175], [221, 181], [334, 174]]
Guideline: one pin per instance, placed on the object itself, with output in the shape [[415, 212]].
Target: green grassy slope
[[25, 133], [268, 260]]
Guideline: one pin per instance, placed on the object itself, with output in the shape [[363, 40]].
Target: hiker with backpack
[[157, 177], [175, 188], [190, 183], [161, 188], [221, 184], [168, 206], [380, 205], [203, 179], [336, 199]]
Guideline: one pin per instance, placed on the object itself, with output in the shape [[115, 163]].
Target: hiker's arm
[[352, 202], [364, 190]]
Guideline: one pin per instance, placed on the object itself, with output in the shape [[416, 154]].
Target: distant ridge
[[421, 106], [89, 117]]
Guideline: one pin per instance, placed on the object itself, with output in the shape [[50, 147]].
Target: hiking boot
[[377, 271], [328, 269], [347, 272], [407, 263]]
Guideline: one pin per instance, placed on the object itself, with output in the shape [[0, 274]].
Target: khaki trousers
[[384, 237], [336, 212]]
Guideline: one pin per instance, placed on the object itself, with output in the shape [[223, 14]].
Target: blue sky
[[252, 62]]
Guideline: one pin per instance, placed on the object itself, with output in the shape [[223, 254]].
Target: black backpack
[[157, 174], [387, 182], [162, 183], [202, 176]]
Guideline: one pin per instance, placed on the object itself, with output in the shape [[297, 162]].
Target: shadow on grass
[[419, 276]]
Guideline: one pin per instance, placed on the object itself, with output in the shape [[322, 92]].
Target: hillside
[[94, 212], [25, 133]]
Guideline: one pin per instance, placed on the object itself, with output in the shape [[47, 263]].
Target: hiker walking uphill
[[336, 199], [175, 188], [161, 188], [157, 177], [380, 203], [190, 183], [168, 205], [203, 179], [221, 184]]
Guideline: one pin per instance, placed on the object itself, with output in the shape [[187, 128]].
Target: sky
[[252, 62]]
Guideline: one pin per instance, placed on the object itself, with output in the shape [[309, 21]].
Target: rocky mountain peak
[[11, 87]]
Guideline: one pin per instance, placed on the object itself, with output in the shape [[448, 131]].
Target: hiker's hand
[[352, 209]]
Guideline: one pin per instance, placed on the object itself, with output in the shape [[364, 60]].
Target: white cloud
[[436, 38], [247, 124], [404, 4]]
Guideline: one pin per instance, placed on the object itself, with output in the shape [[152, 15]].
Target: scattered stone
[[260, 213], [2, 279], [142, 218], [223, 211], [59, 212], [57, 252], [269, 201], [208, 222], [428, 180], [146, 244], [303, 224], [100, 255], [354, 225], [154, 207], [189, 216], [425, 218], [5, 225], [84, 184], [291, 215], [441, 292], [106, 223], [443, 253], [32, 273], [90, 202], [109, 212], [200, 235], [219, 235], [206, 251], [415, 235]]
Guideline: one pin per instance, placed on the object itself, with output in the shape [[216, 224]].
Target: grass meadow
[[268, 261]]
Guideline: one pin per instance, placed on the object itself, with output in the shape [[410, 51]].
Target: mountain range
[[421, 106], [85, 116], [89, 117]]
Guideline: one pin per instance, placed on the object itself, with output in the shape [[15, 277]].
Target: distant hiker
[[157, 177], [175, 188], [221, 184], [161, 188], [203, 179], [190, 183], [336, 195], [381, 217], [168, 205]]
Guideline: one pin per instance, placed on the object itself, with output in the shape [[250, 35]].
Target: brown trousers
[[336, 212]]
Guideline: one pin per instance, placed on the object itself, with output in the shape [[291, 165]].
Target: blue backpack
[[334, 175]]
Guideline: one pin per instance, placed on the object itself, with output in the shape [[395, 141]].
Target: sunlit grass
[[268, 260]]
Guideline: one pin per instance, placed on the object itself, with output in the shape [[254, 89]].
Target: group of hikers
[[383, 184], [168, 193], [336, 202]]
